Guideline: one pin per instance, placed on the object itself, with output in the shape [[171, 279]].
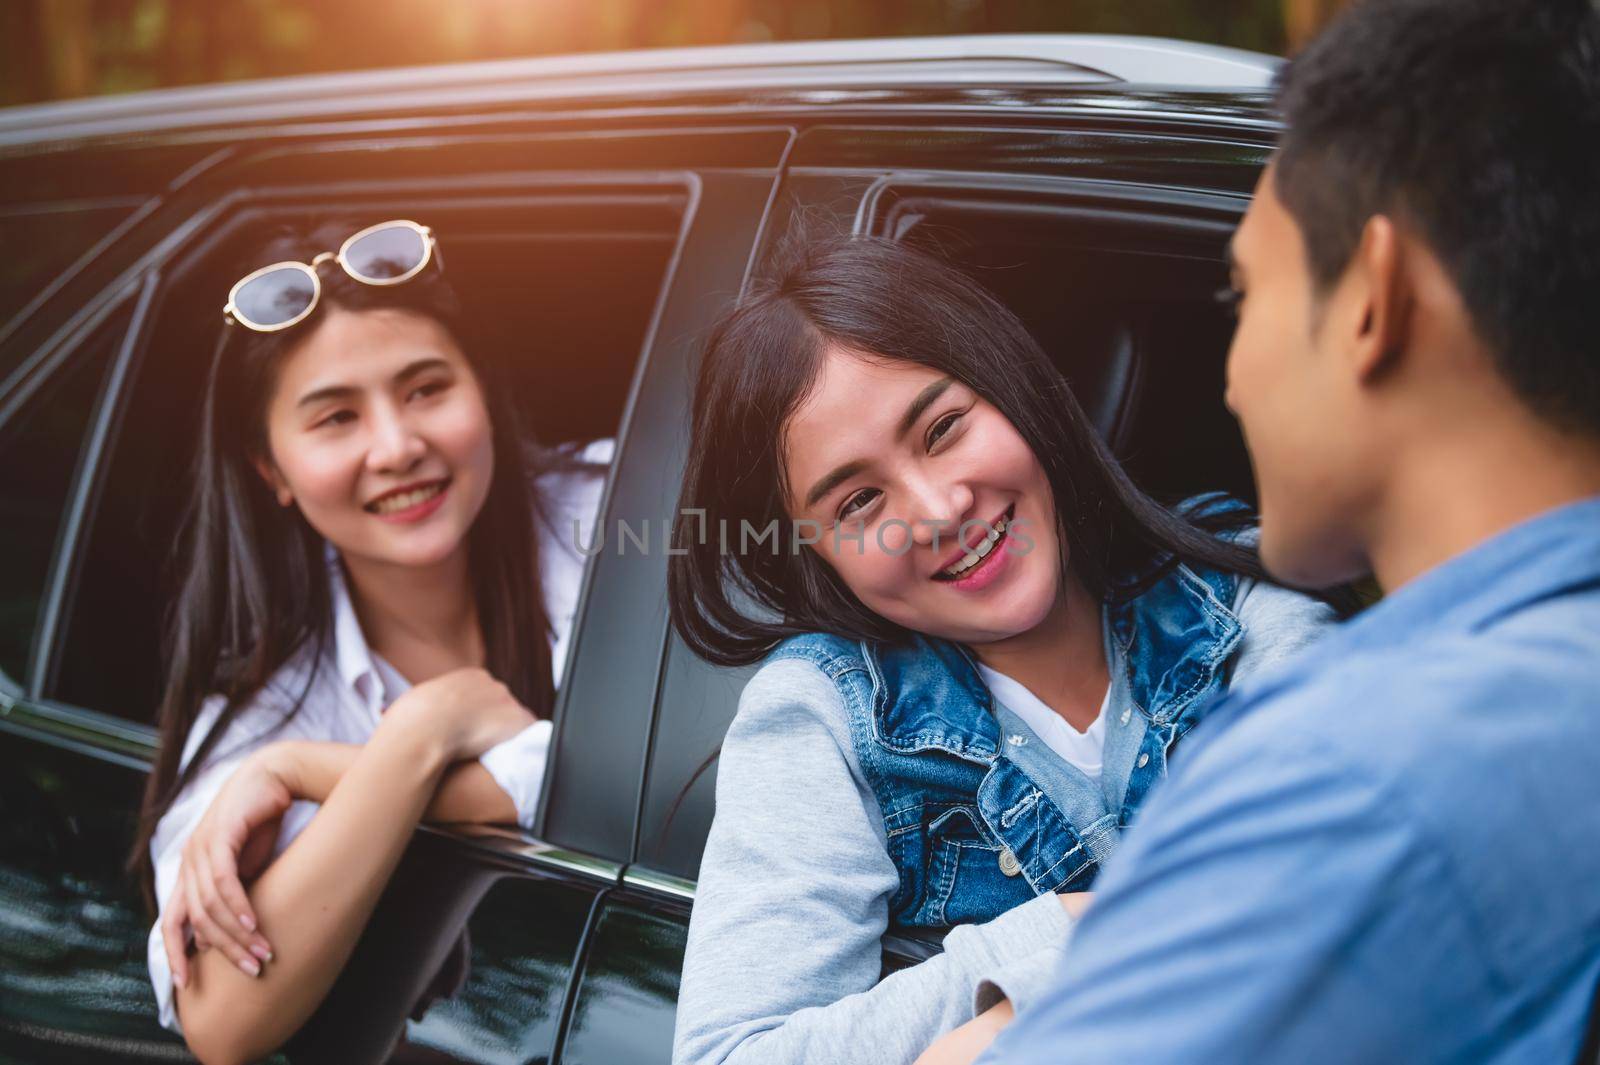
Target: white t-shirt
[[351, 690], [1082, 749]]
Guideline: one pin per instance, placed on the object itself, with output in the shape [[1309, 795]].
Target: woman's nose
[[938, 509], [396, 445]]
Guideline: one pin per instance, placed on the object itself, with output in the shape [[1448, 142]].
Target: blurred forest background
[[56, 49]]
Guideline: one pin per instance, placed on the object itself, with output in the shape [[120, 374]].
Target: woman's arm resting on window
[[234, 840], [313, 900], [466, 793]]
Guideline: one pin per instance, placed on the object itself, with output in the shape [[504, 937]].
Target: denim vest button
[[1017, 740], [1144, 760], [1008, 862], [1126, 714]]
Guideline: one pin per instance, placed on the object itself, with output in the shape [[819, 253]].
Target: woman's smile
[[984, 559], [410, 503]]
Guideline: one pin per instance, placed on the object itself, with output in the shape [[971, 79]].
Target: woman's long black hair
[[888, 300], [251, 577]]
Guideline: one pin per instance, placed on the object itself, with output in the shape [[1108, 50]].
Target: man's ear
[[269, 473], [1380, 265]]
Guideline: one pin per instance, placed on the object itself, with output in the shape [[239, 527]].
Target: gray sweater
[[784, 951]]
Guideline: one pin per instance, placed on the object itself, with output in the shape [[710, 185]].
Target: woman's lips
[[417, 512], [988, 570], [990, 552], [962, 550]]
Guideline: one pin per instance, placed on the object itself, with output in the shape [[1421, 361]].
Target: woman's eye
[[1229, 297], [430, 388], [942, 426], [857, 501], [338, 417]]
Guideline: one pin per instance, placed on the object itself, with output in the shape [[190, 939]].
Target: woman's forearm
[[314, 900], [466, 793]]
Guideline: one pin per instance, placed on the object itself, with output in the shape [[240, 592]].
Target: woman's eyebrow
[[833, 480], [341, 391], [433, 362], [914, 410], [320, 394], [923, 401]]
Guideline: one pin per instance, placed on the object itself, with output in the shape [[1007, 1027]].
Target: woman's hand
[[1075, 902], [232, 843], [467, 711], [963, 1045]]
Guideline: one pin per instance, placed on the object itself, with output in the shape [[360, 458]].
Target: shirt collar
[[1541, 557], [357, 670]]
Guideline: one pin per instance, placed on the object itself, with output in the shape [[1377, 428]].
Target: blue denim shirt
[[980, 814], [1388, 851]]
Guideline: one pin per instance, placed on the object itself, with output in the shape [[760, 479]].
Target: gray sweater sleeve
[[1278, 624], [784, 949]]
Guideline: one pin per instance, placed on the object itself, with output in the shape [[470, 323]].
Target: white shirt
[[348, 694]]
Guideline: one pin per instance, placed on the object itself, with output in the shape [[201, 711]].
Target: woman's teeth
[[973, 557], [406, 500]]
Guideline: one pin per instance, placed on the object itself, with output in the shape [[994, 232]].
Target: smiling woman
[[970, 680], [356, 643]]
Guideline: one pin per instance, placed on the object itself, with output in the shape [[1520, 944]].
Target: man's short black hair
[[1476, 123]]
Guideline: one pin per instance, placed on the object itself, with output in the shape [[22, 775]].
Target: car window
[[42, 240], [42, 429], [1123, 305], [560, 292]]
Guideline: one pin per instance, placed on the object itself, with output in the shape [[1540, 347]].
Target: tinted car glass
[[42, 240], [40, 439], [1122, 300]]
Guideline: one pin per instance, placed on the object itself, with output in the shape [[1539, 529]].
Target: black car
[[598, 212]]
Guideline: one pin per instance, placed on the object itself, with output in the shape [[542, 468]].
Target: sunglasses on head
[[277, 296]]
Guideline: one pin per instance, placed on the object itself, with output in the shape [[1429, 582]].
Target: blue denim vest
[[980, 815]]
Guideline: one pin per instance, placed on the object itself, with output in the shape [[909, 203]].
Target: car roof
[[593, 80]]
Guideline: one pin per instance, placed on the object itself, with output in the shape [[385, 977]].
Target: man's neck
[[1453, 495]]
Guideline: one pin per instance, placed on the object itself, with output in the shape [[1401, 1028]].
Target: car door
[[608, 254]]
